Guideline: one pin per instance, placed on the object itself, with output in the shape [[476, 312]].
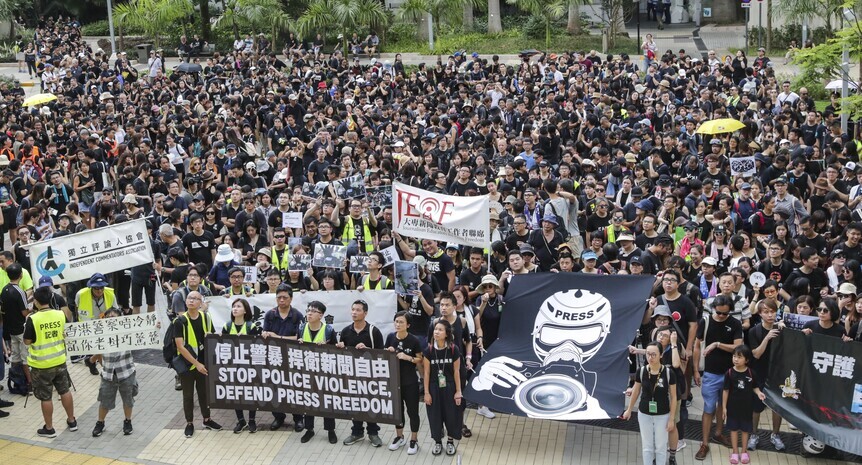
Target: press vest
[[85, 303], [49, 348], [349, 234], [191, 338], [319, 338], [280, 265], [233, 331], [381, 283]]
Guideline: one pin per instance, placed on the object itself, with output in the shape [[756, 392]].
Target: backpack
[[17, 381], [561, 222], [169, 348]]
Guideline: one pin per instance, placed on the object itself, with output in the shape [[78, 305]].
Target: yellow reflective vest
[[85, 303], [382, 283], [349, 234], [280, 265], [318, 338], [49, 348], [190, 337]]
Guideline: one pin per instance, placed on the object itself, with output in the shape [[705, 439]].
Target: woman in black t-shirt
[[409, 352], [442, 378], [656, 386], [827, 320]]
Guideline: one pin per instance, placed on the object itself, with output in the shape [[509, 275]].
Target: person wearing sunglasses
[[717, 335], [826, 323]]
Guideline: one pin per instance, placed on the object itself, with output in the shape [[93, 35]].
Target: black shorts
[[137, 291], [735, 423]]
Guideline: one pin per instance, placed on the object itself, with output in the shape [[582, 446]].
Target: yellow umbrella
[[39, 99], [720, 126]]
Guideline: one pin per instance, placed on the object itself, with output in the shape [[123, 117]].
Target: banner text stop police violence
[[298, 388], [321, 380]]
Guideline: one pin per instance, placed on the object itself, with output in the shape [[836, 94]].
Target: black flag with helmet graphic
[[563, 347]]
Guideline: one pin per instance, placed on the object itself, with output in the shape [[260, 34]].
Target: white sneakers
[[485, 412], [397, 443]]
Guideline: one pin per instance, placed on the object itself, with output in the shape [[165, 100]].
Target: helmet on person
[[571, 326]]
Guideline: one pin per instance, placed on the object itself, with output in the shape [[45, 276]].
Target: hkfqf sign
[[573, 364]]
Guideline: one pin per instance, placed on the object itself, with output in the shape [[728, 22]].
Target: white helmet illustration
[[571, 326]]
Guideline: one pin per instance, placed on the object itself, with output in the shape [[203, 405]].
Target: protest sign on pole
[[460, 220], [382, 305], [104, 250], [253, 373], [108, 335]]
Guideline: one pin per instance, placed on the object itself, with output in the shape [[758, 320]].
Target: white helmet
[[571, 325], [812, 446]]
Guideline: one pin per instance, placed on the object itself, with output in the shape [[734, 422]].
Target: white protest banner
[[424, 214], [381, 307], [104, 250], [108, 335], [291, 219]]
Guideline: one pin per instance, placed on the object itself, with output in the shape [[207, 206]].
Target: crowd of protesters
[[593, 164]]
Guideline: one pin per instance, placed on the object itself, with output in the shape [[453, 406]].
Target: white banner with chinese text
[[423, 214], [104, 250], [107, 335]]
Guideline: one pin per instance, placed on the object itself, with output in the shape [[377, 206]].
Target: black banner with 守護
[[813, 384], [253, 373]]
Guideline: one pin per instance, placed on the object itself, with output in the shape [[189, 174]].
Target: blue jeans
[[654, 437]]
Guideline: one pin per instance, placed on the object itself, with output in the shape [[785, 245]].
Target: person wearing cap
[[590, 260], [93, 301]]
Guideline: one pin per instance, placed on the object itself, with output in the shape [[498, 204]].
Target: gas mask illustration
[[570, 328]]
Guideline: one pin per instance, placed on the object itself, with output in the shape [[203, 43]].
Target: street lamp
[[111, 30]]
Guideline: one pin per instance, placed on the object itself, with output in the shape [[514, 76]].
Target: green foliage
[[255, 16], [345, 16], [510, 41], [822, 63], [782, 36], [401, 32], [154, 17], [100, 28]]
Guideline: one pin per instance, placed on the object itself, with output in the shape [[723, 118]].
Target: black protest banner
[[563, 347], [813, 384], [253, 373]]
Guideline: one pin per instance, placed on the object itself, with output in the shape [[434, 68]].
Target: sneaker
[[413, 448], [252, 426], [485, 412], [190, 430], [680, 445], [375, 440], [777, 442], [92, 366], [178, 386], [127, 427], [73, 425], [671, 460], [307, 436], [298, 427], [734, 459], [98, 429], [744, 458], [397, 443], [752, 442], [465, 432], [6, 403], [240, 425], [437, 449], [350, 440], [46, 433], [333, 438], [450, 448], [210, 424], [275, 425], [702, 452], [77, 358], [4, 414]]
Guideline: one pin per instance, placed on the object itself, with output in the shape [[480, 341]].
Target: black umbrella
[[529, 52], [189, 68]]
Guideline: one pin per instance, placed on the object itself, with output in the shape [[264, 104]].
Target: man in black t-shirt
[[759, 338], [719, 334], [199, 243], [816, 276], [651, 258], [439, 264]]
